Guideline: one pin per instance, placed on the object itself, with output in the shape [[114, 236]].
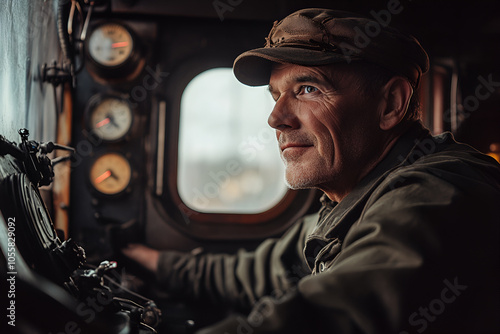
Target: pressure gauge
[[109, 116], [114, 52], [110, 174], [110, 45]]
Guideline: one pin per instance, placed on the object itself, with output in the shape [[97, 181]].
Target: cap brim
[[253, 68]]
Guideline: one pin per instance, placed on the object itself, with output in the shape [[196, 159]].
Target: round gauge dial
[[110, 45], [110, 174], [110, 117]]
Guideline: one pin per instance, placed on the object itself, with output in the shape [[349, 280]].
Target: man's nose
[[283, 115]]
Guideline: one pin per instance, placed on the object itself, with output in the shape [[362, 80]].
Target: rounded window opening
[[228, 155]]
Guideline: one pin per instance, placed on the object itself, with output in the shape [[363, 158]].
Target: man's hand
[[143, 255]]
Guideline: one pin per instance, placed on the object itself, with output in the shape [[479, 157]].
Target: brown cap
[[317, 36]]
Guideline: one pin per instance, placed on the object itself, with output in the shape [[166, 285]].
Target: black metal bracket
[[56, 75]]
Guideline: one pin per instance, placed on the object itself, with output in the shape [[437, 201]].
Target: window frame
[[213, 225]]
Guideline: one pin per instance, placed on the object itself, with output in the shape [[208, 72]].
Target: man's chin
[[296, 183]]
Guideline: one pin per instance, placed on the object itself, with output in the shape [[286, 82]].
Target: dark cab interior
[[117, 127]]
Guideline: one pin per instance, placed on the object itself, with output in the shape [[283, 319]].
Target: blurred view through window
[[228, 155]]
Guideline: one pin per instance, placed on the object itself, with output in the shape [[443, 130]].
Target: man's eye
[[309, 89]]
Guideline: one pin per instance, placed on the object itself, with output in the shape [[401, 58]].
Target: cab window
[[228, 160]]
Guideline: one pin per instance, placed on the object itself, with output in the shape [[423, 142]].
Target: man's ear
[[397, 93]]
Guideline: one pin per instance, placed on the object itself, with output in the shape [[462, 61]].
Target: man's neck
[[337, 194]]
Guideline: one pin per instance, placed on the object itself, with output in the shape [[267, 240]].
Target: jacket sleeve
[[239, 279], [409, 264]]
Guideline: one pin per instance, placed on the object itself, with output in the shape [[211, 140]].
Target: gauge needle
[[103, 176], [119, 44], [103, 122]]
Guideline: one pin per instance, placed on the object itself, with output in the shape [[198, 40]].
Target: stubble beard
[[304, 176]]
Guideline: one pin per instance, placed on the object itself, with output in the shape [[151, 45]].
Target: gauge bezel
[[129, 68], [97, 100], [125, 190]]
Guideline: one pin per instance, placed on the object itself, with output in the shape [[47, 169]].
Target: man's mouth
[[294, 146], [292, 151]]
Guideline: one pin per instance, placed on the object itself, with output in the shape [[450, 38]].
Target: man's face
[[327, 128]]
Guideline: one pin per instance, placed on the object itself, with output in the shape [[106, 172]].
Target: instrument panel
[[110, 138]]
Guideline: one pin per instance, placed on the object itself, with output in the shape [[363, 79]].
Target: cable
[[128, 301], [111, 280], [127, 290], [148, 327]]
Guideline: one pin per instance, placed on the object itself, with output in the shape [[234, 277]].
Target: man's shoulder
[[442, 156]]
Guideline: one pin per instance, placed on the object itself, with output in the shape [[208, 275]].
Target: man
[[407, 238]]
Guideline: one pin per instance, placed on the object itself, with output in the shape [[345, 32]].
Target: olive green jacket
[[413, 248]]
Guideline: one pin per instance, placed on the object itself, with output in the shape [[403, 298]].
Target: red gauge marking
[[119, 44], [103, 176], [103, 122]]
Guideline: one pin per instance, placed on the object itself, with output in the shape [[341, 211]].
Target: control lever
[[86, 282], [39, 168]]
